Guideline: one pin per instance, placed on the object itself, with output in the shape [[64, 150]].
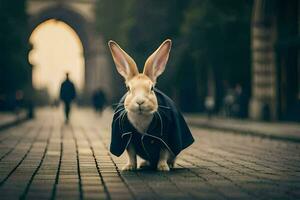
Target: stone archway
[[79, 16]]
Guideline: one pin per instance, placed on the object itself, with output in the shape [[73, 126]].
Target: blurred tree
[[217, 34], [15, 71], [155, 21], [115, 19]]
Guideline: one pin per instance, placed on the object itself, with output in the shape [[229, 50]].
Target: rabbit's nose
[[140, 102]]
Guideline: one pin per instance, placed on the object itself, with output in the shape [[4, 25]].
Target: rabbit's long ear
[[124, 63], [156, 63]]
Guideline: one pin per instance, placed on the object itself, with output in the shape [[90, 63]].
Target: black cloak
[[167, 129]]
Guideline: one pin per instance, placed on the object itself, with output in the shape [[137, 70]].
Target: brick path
[[8, 119], [45, 159], [275, 130]]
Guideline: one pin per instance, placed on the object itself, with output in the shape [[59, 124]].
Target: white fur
[[140, 121]]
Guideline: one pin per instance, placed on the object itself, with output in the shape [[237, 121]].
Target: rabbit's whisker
[[118, 104], [121, 109], [164, 107], [121, 114], [161, 122]]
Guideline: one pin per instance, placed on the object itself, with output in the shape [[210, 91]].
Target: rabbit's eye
[[128, 88], [152, 88]]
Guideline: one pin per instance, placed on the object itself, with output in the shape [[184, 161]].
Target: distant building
[[275, 60]]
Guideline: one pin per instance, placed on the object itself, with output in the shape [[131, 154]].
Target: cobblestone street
[[46, 159]]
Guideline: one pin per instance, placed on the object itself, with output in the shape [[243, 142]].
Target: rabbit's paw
[[145, 164], [129, 167], [163, 166], [171, 165]]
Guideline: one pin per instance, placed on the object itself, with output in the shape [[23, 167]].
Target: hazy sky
[[56, 50]]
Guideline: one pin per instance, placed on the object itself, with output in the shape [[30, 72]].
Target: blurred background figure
[[228, 102], [67, 95], [209, 105], [99, 100], [240, 103]]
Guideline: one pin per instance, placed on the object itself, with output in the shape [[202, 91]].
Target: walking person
[[99, 100], [67, 95]]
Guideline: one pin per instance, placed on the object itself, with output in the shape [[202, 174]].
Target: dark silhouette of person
[[99, 100], [240, 104], [67, 95]]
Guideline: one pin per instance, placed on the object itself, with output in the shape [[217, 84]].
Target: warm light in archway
[[57, 49]]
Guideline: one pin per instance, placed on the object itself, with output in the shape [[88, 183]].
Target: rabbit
[[146, 122]]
